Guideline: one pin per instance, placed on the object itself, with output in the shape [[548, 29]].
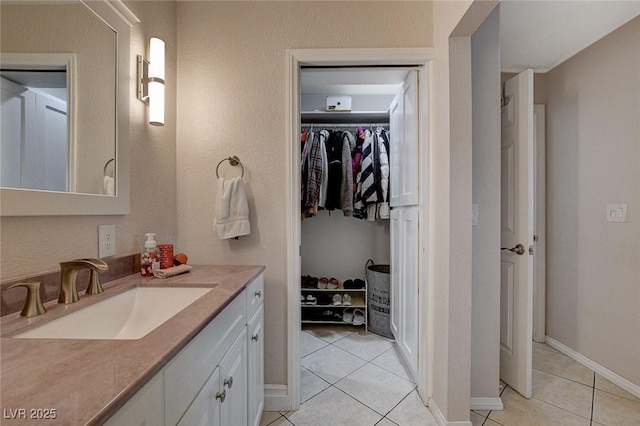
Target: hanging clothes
[[334, 157], [383, 211], [340, 171], [314, 176], [346, 190]]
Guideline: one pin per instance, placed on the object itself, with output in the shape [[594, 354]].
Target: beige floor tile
[[332, 363], [390, 361], [490, 422], [411, 411], [331, 333], [333, 407], [608, 386], [367, 346], [376, 388], [483, 413], [385, 422], [282, 421], [561, 365], [269, 417], [563, 393], [476, 419], [309, 343], [612, 410], [310, 384], [519, 411], [545, 347]]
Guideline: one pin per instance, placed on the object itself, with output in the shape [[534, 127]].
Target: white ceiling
[[351, 81], [543, 34]]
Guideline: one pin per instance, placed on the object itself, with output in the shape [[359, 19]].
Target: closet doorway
[[330, 243]]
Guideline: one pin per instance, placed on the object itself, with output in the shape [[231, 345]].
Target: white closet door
[[396, 268], [404, 282], [403, 125]]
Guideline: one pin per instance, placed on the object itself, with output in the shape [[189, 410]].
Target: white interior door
[[516, 271]]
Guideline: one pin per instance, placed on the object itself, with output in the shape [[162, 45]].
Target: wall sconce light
[[151, 81]]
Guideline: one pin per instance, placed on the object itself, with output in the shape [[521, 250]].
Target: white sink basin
[[126, 316]]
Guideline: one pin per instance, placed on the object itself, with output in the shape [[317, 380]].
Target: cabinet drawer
[[189, 370], [255, 296]]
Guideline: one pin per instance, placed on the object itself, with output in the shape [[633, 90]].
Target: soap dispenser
[[150, 259]]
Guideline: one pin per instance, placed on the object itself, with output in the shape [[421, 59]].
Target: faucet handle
[[33, 304], [97, 266]]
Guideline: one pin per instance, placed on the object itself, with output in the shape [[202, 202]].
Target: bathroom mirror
[[67, 63]]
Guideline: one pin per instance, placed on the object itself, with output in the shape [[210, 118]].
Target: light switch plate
[[617, 212], [106, 240]]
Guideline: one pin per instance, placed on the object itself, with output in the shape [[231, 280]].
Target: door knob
[[518, 249]]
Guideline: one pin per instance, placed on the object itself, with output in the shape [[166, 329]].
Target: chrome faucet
[[69, 273]]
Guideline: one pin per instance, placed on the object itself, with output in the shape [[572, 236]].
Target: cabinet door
[[404, 144], [408, 341], [233, 377], [144, 408], [256, 367], [396, 255], [205, 408]]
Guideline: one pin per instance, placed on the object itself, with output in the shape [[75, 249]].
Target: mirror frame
[[28, 202]]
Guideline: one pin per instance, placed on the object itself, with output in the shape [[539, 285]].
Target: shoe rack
[[320, 306]]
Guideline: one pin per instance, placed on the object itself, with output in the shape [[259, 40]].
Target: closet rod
[[348, 125]]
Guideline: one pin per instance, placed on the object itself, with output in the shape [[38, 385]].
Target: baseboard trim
[[615, 378], [441, 420], [487, 404], [276, 398]]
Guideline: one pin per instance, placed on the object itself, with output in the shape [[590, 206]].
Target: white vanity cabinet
[[255, 342], [217, 379]]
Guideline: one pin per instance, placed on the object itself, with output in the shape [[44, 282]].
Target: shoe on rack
[[323, 282], [348, 284], [336, 300], [347, 315], [358, 317], [333, 283], [311, 300], [346, 300], [358, 283]]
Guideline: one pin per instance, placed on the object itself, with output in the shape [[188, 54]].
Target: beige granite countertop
[[86, 381]]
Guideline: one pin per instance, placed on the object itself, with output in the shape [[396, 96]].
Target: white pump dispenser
[[150, 259], [151, 242]]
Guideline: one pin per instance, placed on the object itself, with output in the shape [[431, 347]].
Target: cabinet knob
[[228, 381], [221, 395], [258, 293], [255, 337]]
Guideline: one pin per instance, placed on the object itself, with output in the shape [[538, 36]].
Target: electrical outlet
[[106, 240]]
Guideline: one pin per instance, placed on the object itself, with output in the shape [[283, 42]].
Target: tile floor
[[355, 379]]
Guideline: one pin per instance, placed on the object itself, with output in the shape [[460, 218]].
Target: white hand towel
[[108, 185], [232, 209]]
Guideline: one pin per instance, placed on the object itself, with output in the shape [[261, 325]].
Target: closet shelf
[[343, 117], [334, 290], [331, 322]]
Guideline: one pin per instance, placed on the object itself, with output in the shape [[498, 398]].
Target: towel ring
[[104, 170], [234, 161]]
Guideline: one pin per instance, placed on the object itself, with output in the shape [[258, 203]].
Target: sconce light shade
[[156, 82], [151, 81]]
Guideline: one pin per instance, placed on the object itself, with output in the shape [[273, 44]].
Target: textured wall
[[32, 245], [231, 101], [593, 159]]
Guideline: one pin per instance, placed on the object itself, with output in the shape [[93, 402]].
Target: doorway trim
[[539, 265], [296, 58]]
